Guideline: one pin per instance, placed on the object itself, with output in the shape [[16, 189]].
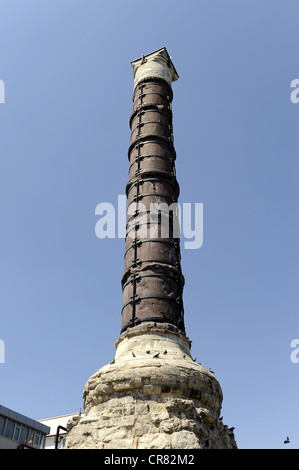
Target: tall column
[[153, 394], [152, 282]]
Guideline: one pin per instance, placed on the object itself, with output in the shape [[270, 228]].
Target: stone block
[[170, 425], [152, 389], [142, 429], [128, 443], [142, 409], [185, 440], [154, 441], [128, 409]]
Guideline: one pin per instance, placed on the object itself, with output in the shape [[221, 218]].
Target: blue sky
[[64, 136]]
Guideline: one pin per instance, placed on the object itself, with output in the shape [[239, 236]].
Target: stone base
[[153, 395]]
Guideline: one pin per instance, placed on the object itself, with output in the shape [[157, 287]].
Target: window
[[30, 437], [2, 424], [36, 440], [9, 428], [23, 434], [42, 441], [17, 431]]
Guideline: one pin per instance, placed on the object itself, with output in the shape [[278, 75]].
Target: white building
[[57, 435]]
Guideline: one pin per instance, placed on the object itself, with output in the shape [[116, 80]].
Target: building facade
[[20, 432]]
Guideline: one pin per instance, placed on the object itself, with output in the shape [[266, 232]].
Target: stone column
[[152, 395], [152, 282]]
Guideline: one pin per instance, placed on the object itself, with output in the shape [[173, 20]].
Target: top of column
[[157, 64]]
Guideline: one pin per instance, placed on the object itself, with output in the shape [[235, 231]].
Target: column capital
[[157, 64]]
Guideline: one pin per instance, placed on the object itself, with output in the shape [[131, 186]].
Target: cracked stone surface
[[156, 398]]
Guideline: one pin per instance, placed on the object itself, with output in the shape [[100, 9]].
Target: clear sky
[[64, 136]]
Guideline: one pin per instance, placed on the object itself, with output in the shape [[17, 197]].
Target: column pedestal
[[153, 395]]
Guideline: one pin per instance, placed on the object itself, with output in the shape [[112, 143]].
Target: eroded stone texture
[[158, 398]]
